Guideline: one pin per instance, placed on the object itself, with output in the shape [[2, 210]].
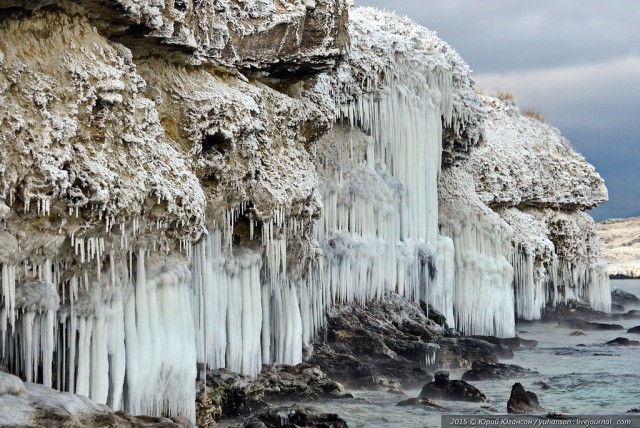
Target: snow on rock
[[186, 182], [621, 246], [525, 162], [532, 177], [83, 151], [34, 405], [271, 36]]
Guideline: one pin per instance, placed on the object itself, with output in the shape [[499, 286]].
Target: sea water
[[585, 376]]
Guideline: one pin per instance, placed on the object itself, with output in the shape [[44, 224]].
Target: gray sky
[[577, 61]]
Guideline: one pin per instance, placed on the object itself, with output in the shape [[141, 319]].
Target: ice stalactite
[[483, 301], [91, 351], [431, 352], [248, 310], [124, 338], [29, 336], [533, 260], [379, 228], [441, 292], [160, 339], [534, 179], [529, 286]]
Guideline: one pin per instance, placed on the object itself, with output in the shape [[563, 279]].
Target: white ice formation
[[535, 181], [184, 184]]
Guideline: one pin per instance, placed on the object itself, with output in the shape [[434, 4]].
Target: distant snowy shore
[[620, 240]]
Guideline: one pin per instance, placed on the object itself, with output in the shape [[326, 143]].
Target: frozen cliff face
[[112, 165], [186, 182], [273, 36], [528, 163], [478, 288], [532, 177], [620, 246]]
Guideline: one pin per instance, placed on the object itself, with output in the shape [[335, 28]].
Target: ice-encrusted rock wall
[[531, 176], [189, 182], [117, 158], [270, 36]]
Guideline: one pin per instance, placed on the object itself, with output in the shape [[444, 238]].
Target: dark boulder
[[345, 368], [386, 343], [294, 416], [635, 329], [486, 371], [579, 324], [543, 385], [623, 341], [419, 402], [509, 342], [435, 315], [617, 308], [499, 350], [461, 352], [622, 297], [522, 401], [362, 372], [233, 394], [453, 390], [629, 315]]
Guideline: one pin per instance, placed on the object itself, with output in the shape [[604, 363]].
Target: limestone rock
[[583, 325], [454, 390], [485, 371], [281, 38], [298, 416], [623, 341], [419, 402], [522, 401]]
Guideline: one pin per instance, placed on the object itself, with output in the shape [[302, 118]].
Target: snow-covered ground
[[620, 239]]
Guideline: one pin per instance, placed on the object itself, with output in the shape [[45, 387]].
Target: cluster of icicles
[[131, 335]]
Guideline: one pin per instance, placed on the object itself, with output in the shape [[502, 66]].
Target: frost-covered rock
[[527, 173], [189, 182], [527, 163], [32, 405], [272, 36]]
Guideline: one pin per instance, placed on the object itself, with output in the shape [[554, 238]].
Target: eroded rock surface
[[298, 416], [442, 388], [522, 401], [238, 395], [485, 371], [392, 343]]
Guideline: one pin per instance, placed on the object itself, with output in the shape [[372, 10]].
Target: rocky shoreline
[[389, 345]]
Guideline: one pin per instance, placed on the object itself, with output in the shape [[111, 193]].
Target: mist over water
[[586, 377]]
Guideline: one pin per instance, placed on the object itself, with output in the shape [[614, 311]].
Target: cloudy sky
[[577, 61]]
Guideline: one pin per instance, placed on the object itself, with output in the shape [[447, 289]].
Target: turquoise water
[[581, 382]]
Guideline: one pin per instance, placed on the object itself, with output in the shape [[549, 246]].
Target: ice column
[[160, 339], [483, 301], [228, 295], [28, 338], [379, 229], [441, 291]]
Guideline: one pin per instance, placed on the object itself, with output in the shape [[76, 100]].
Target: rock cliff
[[189, 182]]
